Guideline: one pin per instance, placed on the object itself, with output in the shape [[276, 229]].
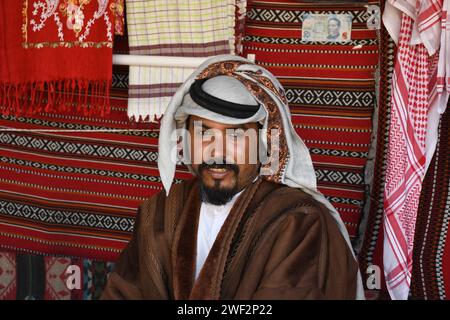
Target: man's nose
[[218, 151]]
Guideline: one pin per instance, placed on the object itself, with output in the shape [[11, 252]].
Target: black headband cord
[[226, 108]]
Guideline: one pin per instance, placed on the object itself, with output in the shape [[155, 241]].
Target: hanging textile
[[55, 54], [431, 256], [330, 87], [416, 107], [443, 81], [71, 184], [78, 223], [429, 23], [434, 29], [198, 28], [371, 251], [406, 159]]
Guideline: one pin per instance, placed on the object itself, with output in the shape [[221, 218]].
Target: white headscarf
[[262, 88]]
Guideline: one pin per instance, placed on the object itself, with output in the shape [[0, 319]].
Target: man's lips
[[218, 173]]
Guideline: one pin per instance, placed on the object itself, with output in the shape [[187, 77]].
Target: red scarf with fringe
[[55, 55]]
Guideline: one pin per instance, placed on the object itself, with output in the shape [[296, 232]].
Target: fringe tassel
[[26, 99]]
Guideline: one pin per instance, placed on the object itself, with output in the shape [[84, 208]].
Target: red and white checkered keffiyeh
[[416, 106], [434, 28], [443, 77], [406, 159]]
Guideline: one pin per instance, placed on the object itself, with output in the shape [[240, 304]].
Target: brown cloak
[[276, 243]]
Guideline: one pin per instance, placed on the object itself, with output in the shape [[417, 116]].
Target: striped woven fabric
[[431, 257], [371, 251], [198, 28], [82, 193], [151, 89], [70, 185], [330, 88]]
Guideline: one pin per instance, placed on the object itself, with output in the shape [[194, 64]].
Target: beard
[[218, 195]]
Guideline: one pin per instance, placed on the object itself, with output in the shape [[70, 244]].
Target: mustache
[[233, 167]]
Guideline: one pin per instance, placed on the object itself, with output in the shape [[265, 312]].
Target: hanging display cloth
[[55, 55]]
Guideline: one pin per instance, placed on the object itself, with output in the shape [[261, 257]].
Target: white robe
[[210, 222]]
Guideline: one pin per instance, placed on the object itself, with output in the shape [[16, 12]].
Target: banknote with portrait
[[327, 27]]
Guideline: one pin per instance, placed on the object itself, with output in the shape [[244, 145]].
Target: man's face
[[333, 27], [223, 156]]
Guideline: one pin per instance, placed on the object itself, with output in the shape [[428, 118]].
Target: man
[[241, 229], [334, 26]]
